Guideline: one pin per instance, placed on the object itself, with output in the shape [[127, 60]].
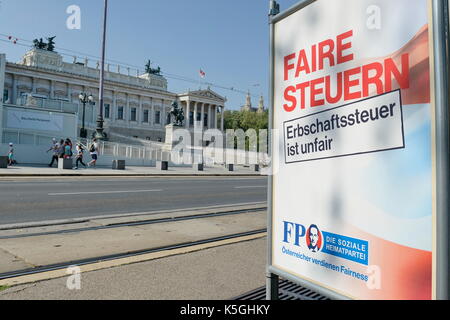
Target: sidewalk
[[39, 170], [216, 273]]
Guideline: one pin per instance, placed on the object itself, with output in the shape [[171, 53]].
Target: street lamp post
[[99, 131], [84, 98]]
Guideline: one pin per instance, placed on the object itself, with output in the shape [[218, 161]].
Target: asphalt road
[[43, 199]]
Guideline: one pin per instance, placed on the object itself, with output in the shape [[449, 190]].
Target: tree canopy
[[246, 120]]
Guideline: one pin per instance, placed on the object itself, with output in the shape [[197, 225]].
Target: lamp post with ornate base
[[84, 98], [99, 134]]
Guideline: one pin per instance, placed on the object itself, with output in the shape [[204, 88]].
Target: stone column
[[139, 115], [52, 89], [215, 117], [14, 90], [113, 108], [202, 115], [188, 105], [163, 114], [126, 116], [152, 121], [69, 92], [195, 114], [209, 117], [221, 118], [33, 85]]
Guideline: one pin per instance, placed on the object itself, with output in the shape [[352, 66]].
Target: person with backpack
[[93, 150], [68, 149], [79, 158]]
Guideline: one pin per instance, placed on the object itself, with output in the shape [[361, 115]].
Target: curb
[[131, 175], [119, 262], [61, 222]]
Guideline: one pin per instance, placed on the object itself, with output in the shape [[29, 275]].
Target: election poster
[[352, 201]]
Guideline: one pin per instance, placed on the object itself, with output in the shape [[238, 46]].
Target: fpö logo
[[316, 240], [295, 232]]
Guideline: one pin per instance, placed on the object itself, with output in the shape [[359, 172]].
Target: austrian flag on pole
[[202, 73]]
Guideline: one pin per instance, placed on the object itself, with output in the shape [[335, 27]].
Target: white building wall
[[20, 132], [2, 86]]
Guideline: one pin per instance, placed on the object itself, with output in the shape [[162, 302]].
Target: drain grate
[[287, 290]]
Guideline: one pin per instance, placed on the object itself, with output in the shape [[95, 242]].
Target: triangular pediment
[[208, 93]]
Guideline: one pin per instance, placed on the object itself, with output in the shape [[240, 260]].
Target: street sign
[[360, 190]]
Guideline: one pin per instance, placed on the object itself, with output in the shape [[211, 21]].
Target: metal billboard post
[[441, 90], [272, 279]]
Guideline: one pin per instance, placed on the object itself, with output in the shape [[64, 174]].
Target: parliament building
[[136, 106]]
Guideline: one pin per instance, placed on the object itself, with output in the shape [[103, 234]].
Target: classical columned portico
[[204, 104]]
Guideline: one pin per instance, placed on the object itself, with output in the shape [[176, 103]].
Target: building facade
[[135, 106], [248, 105]]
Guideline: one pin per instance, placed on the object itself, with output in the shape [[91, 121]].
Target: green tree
[[246, 120]]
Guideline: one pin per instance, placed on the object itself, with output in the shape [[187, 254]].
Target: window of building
[[5, 95], [133, 114], [157, 117], [120, 113], [107, 111], [205, 119], [199, 116], [145, 118]]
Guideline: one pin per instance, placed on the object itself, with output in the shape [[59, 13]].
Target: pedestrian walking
[[68, 149], [11, 154], [93, 150], [61, 149], [54, 148], [79, 158]]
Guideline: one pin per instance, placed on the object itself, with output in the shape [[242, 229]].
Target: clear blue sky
[[228, 39]]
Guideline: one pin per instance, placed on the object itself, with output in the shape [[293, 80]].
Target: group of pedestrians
[[63, 150]]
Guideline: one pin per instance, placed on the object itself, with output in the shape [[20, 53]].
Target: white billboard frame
[[439, 91]]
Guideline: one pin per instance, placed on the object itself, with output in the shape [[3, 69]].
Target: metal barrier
[[157, 153]]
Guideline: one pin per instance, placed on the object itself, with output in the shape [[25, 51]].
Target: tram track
[[81, 262], [134, 223], [114, 240]]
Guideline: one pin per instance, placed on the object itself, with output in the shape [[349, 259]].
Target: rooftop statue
[[51, 44], [40, 44], [150, 70]]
